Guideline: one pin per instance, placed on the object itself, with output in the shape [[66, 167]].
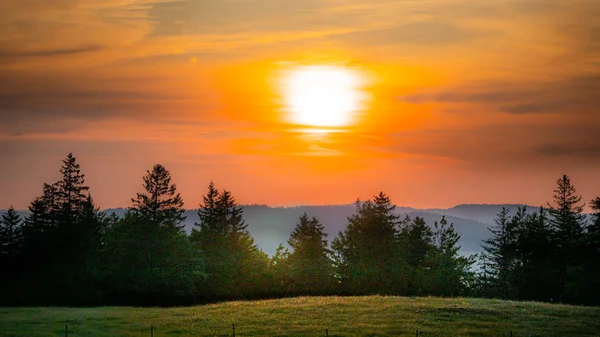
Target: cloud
[[18, 54], [507, 145], [192, 17], [46, 103], [570, 150], [414, 33], [576, 94]]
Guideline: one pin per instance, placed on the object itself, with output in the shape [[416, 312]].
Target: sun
[[322, 96]]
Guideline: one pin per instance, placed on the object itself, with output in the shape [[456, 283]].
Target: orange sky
[[469, 101]]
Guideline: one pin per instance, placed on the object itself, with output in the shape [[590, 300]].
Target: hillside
[[305, 316], [271, 226]]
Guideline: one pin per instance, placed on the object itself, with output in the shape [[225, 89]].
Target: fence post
[[233, 328], [510, 333], [417, 332], [66, 330], [326, 332], [151, 331]]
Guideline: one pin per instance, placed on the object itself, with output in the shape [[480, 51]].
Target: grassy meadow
[[312, 316]]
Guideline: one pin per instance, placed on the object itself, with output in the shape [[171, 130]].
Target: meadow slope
[[311, 316]]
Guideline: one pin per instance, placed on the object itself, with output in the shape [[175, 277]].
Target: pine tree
[[11, 235], [366, 251], [151, 259], [418, 242], [71, 193], [56, 238], [450, 273], [11, 225], [500, 255], [160, 204], [593, 260], [279, 270], [208, 212], [43, 213], [235, 265], [567, 222], [415, 241], [583, 285], [149, 264], [566, 215], [90, 261], [309, 263], [593, 230], [534, 247]]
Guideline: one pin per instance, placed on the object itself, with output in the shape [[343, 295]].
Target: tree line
[[67, 252], [551, 254]]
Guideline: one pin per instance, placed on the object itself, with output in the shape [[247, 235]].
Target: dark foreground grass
[[306, 316]]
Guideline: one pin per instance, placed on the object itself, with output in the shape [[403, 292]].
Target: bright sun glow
[[325, 96]]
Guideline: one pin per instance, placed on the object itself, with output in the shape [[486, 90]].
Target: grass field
[[305, 316]]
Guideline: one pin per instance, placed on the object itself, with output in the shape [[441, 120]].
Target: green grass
[[306, 316]]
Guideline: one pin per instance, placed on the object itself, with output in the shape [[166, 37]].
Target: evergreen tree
[[42, 216], [593, 230], [593, 247], [450, 273], [566, 221], [583, 285], [279, 268], [416, 243], [500, 256], [160, 203], [151, 258], [150, 264], [566, 216], [534, 250], [366, 251], [11, 233], [418, 240], [310, 267], [90, 247], [209, 212], [71, 193], [55, 245], [11, 225], [235, 265]]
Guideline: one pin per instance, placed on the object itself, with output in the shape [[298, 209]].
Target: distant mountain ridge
[[271, 226]]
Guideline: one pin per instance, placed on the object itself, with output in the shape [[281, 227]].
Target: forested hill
[[271, 226]]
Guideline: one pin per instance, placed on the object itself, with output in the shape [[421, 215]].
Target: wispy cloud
[[13, 54], [577, 95]]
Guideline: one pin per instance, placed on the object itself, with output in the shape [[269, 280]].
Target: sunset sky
[[443, 102]]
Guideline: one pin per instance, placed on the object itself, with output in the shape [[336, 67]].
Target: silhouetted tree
[[500, 255], [533, 271], [310, 267], [366, 251], [57, 238], [11, 233], [71, 194], [11, 224], [450, 274], [160, 203], [566, 221], [235, 265], [583, 285], [150, 264], [151, 258], [416, 243]]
